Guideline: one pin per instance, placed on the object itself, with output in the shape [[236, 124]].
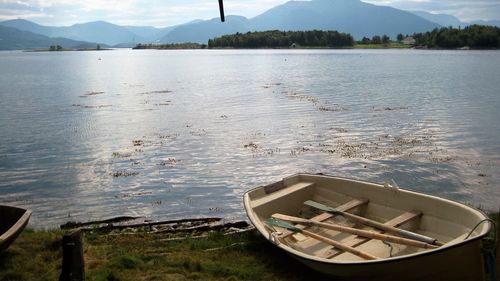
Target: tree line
[[376, 40], [474, 36], [283, 39], [173, 46]]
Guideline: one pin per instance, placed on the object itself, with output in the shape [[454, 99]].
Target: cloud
[[155, 12], [466, 10], [170, 12]]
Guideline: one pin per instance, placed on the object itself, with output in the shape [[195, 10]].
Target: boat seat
[[332, 252], [279, 193], [325, 216]]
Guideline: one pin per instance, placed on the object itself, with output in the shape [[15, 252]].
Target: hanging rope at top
[[221, 8]]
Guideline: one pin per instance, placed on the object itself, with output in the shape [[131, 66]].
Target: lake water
[[177, 134]]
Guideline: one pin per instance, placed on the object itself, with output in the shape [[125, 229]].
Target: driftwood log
[[166, 226]]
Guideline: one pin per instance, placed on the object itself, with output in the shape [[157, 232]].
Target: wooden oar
[[372, 223], [358, 232], [336, 244]]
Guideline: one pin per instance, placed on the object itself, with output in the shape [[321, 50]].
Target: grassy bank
[[38, 256], [155, 253], [392, 45]]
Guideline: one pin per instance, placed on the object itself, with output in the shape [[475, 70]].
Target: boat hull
[[13, 220], [464, 263], [461, 258]]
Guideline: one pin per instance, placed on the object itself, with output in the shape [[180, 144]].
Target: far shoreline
[[64, 50], [355, 47]]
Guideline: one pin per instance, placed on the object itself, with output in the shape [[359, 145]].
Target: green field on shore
[[37, 255], [149, 254]]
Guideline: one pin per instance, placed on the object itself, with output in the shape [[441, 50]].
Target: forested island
[[59, 48], [284, 39], [474, 36]]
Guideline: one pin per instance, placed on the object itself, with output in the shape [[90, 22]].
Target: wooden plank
[[325, 216], [276, 193], [357, 241], [270, 188], [340, 246]]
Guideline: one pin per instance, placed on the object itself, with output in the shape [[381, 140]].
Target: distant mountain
[[350, 16], [26, 25], [15, 39], [99, 31], [441, 19], [148, 33], [201, 31], [487, 22], [163, 32]]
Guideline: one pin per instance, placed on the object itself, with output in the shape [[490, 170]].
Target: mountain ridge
[[358, 18], [15, 39], [441, 19]]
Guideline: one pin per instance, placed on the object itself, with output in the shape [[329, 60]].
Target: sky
[[162, 13]]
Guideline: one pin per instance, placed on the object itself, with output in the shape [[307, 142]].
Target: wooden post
[[73, 266], [498, 246]]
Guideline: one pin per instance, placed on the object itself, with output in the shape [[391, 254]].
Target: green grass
[[38, 256], [381, 46], [33, 256]]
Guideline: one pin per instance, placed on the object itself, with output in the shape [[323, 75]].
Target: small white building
[[409, 41]]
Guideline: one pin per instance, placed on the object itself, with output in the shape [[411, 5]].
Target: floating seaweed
[[390, 108], [251, 145], [156, 92], [124, 174], [89, 94], [91, 106], [171, 161], [333, 108], [126, 195], [165, 103], [121, 154], [138, 142]]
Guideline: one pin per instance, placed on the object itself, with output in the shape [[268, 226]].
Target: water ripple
[[185, 134]]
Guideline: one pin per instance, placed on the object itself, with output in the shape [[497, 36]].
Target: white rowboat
[[356, 230]]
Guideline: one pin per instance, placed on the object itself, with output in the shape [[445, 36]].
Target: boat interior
[[446, 222]]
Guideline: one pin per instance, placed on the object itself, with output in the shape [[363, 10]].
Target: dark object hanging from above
[[221, 8]]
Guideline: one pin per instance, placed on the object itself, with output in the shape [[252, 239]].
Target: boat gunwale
[[18, 226], [302, 255]]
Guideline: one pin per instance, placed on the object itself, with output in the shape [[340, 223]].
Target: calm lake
[[180, 134]]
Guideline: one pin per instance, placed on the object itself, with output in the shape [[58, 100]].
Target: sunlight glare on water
[[174, 134]]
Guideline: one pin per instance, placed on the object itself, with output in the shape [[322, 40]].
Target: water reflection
[[185, 133]]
